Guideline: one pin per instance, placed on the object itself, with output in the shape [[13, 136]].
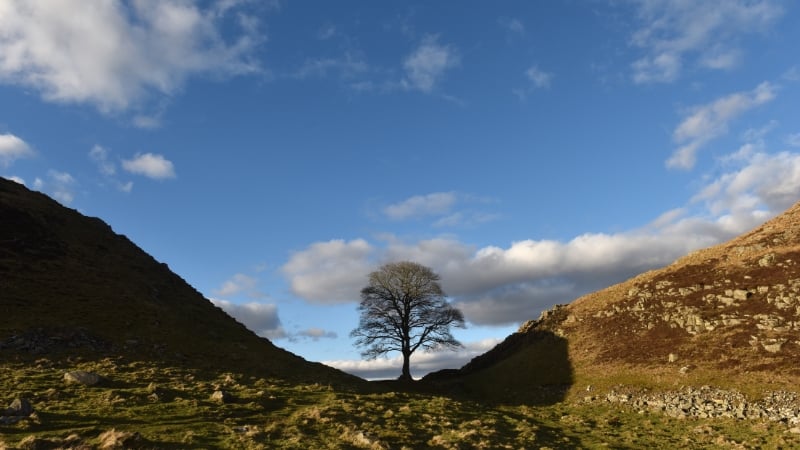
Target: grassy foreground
[[145, 405]]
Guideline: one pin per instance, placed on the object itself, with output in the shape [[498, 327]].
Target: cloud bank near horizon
[[504, 285]]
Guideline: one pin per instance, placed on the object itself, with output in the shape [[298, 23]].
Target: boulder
[[82, 377], [222, 396], [20, 407]]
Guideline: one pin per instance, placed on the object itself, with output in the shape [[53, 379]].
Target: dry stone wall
[[710, 402]]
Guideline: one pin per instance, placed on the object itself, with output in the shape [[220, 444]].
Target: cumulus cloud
[[13, 148], [705, 34], [240, 284], [260, 318], [113, 54], [422, 363], [16, 179], [427, 64], [707, 122], [59, 185], [502, 285], [151, 165], [329, 272], [767, 181]]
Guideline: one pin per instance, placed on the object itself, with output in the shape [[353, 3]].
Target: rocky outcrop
[[42, 341]]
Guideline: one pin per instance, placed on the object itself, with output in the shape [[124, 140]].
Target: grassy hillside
[[71, 286], [177, 372], [727, 316]]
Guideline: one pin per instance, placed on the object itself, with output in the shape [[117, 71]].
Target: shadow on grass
[[527, 368]]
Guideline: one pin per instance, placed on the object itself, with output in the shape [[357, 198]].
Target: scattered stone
[[19, 409], [42, 341], [119, 439], [710, 402], [672, 357], [767, 260], [222, 396], [774, 346], [82, 377], [34, 443]]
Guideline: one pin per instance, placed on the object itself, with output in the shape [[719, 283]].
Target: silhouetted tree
[[403, 308]]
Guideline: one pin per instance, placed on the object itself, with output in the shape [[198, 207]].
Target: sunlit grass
[[171, 407]]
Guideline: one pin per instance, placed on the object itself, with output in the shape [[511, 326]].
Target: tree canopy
[[403, 308]]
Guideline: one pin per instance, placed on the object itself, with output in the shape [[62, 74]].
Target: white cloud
[[17, 179], [99, 155], [260, 318], [150, 165], [723, 59], [422, 363], [114, 54], [427, 64], [677, 33], [770, 182], [59, 185], [793, 140], [316, 334], [437, 203], [539, 78], [240, 284], [13, 148], [509, 284], [329, 272], [147, 122], [709, 121]]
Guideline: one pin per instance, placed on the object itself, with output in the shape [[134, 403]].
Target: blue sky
[[274, 153]]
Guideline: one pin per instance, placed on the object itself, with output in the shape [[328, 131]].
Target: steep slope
[[70, 285], [728, 315]]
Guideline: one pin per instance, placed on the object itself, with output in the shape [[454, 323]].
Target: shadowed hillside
[[531, 366], [728, 316], [69, 285]]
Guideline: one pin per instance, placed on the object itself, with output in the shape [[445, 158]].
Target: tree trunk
[[406, 375]]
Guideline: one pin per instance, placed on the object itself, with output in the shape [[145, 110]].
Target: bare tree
[[403, 308]]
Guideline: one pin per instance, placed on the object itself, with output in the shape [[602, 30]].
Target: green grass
[[170, 407]]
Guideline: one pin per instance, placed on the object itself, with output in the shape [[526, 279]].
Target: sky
[[274, 153]]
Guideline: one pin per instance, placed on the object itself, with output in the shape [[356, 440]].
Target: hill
[[159, 366], [726, 316], [71, 286]]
